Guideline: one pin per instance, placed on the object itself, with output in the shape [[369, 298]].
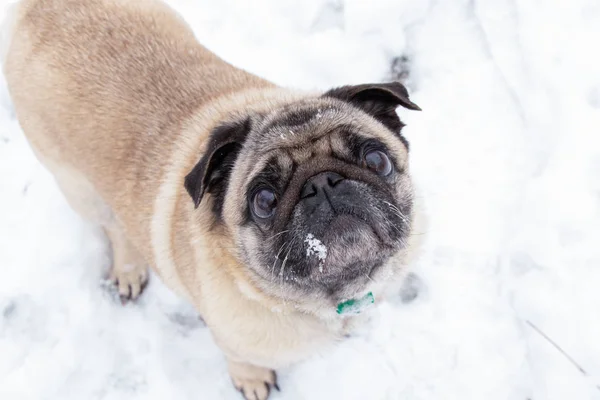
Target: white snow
[[507, 156], [317, 248]]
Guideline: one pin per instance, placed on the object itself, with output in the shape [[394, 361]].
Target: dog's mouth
[[348, 245], [345, 249], [349, 229], [345, 223]]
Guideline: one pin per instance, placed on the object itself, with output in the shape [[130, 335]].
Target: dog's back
[[101, 88], [115, 72]]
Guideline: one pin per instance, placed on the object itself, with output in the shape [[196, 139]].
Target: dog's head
[[316, 194]]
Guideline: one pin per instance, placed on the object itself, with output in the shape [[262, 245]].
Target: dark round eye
[[378, 162], [264, 203]]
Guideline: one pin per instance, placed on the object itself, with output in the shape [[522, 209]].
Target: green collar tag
[[355, 306]]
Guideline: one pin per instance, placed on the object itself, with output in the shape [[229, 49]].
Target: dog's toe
[[130, 280], [254, 389], [254, 383]]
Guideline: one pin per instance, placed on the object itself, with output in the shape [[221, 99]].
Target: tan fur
[[120, 145]]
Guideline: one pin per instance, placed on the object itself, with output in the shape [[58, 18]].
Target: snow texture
[[506, 154], [315, 247]]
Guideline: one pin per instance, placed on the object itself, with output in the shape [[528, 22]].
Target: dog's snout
[[317, 185]]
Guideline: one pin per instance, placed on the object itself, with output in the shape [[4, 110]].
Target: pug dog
[[282, 215]]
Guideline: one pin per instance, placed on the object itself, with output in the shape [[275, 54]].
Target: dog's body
[[118, 100]]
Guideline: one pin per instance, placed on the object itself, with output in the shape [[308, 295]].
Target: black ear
[[377, 99], [213, 170]]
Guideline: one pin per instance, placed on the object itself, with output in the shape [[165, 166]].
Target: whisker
[[290, 247], [396, 210], [277, 258], [284, 261], [277, 234]]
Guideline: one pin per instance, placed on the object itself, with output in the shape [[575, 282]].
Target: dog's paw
[[254, 383], [130, 280]]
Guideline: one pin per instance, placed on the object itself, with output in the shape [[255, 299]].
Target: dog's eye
[[264, 203], [378, 162]]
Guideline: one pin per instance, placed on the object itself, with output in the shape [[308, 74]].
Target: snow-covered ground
[[507, 155]]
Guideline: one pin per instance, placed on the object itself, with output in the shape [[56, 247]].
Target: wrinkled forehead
[[297, 132]]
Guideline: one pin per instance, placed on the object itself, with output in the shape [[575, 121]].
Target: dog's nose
[[319, 183]]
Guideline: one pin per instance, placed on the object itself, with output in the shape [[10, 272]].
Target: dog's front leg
[[129, 271]]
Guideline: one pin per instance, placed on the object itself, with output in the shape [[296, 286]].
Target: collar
[[355, 306]]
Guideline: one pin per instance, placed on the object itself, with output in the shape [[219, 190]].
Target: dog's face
[[317, 193]]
